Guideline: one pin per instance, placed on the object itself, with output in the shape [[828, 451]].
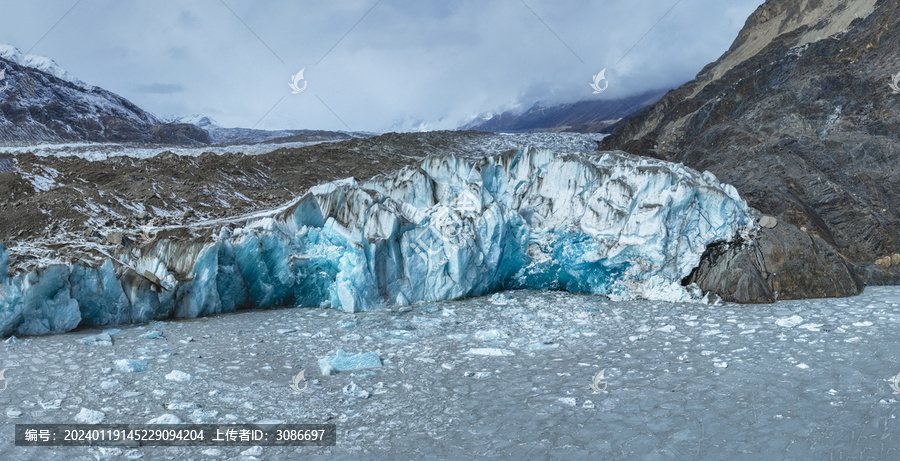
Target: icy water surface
[[503, 377]]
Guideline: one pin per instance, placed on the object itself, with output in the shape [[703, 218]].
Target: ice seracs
[[608, 223]]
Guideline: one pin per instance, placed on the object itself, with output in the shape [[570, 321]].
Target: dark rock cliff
[[799, 116]]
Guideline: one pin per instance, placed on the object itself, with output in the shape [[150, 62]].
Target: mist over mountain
[[587, 116]]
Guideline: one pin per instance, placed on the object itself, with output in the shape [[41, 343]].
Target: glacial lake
[[520, 375]]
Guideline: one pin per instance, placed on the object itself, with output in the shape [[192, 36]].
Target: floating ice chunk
[[269, 422], [342, 361], [500, 299], [112, 331], [587, 404], [114, 453], [570, 401], [255, 450], [712, 299], [477, 374], [696, 292], [667, 328], [88, 416], [131, 365], [214, 452], [152, 334], [13, 413], [426, 321], [789, 322], [541, 346], [863, 324], [179, 405], [167, 418], [201, 415], [179, 376], [802, 366], [51, 404], [720, 364], [110, 385], [102, 339], [488, 335], [491, 351], [355, 391], [12, 340]]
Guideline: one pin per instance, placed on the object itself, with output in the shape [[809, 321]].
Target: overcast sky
[[371, 65]]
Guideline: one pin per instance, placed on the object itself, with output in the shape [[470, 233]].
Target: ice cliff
[[609, 224]]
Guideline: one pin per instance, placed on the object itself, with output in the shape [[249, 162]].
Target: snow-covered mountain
[[231, 136], [43, 63], [193, 119], [590, 116], [40, 102]]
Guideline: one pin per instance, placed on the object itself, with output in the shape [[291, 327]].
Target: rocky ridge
[[40, 102], [798, 115]]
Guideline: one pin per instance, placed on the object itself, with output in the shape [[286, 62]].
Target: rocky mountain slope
[[579, 117], [220, 135], [799, 116], [40, 102]]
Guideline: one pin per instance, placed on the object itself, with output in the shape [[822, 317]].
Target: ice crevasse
[[608, 223]]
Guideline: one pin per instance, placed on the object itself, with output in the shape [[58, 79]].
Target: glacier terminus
[[605, 223]]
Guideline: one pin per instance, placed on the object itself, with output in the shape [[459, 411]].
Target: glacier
[[606, 223]]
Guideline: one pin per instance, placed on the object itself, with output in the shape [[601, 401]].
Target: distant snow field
[[516, 375], [489, 145], [103, 151]]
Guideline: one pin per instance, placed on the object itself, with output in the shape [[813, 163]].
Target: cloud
[[398, 64]]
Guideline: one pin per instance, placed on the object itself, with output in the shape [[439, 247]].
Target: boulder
[[782, 262], [114, 238], [879, 275]]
